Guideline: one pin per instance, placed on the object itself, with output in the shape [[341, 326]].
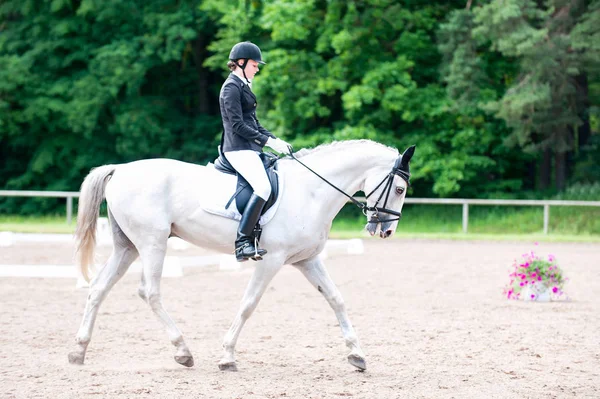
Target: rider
[[243, 140]]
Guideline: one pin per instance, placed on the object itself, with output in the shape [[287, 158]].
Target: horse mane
[[307, 151]]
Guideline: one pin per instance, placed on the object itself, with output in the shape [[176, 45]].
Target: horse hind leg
[[123, 255], [152, 255]]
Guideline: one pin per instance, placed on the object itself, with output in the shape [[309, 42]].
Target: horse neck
[[346, 166]]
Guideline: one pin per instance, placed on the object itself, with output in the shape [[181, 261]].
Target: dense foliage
[[501, 97]]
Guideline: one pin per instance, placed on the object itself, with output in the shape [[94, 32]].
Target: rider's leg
[[246, 244], [249, 165]]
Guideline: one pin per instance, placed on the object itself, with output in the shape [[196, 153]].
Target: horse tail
[[91, 196]]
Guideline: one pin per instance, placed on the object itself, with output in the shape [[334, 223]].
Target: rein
[[388, 180]]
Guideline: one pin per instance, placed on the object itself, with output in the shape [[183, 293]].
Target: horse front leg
[[314, 270], [263, 274]]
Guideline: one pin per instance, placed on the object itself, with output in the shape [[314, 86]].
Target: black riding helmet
[[246, 50]]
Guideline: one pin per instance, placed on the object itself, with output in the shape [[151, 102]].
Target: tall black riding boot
[[246, 247]]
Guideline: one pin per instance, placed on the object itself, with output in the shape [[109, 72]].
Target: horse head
[[385, 197]]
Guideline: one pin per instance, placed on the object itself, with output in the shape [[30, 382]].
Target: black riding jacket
[[241, 129]]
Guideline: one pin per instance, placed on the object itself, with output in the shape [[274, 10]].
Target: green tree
[[544, 104], [491, 92], [84, 83], [368, 69]]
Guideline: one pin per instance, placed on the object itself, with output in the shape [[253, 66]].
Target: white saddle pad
[[224, 186]]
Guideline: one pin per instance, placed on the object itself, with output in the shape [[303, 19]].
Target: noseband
[[388, 180], [397, 170]]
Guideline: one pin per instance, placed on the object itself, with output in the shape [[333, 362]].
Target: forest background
[[501, 97]]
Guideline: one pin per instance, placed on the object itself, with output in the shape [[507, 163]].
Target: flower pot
[[536, 292]]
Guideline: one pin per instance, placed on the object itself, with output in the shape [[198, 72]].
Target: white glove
[[279, 145]]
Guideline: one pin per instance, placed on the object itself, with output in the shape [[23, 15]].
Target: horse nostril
[[388, 233]]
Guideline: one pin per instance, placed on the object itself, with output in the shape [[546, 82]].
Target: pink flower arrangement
[[535, 278]]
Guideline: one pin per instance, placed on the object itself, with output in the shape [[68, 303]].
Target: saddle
[[243, 190]]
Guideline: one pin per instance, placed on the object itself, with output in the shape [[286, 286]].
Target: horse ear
[[407, 155]]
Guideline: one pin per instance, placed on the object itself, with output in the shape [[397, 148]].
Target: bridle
[[400, 169]]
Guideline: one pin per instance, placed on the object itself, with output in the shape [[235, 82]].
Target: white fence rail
[[69, 195], [466, 202]]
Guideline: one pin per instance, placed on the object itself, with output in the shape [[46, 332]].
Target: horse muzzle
[[384, 229]]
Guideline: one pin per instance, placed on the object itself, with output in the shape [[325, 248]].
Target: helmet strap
[[243, 66]]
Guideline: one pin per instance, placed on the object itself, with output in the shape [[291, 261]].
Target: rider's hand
[[279, 145]]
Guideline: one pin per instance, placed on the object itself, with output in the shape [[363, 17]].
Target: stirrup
[[256, 256]]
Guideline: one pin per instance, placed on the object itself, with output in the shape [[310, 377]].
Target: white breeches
[[248, 164]]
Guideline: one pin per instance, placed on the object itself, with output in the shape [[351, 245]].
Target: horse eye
[[399, 190]]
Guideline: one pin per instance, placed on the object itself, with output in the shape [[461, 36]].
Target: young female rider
[[243, 140]]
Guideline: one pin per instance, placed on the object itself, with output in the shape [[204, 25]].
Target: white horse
[[151, 200]]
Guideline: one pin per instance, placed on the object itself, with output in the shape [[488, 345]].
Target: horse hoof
[[76, 358], [357, 361], [230, 366], [187, 361]]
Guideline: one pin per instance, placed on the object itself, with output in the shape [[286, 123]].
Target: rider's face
[[251, 68]]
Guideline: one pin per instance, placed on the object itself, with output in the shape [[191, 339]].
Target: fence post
[[69, 209], [465, 217], [546, 218]]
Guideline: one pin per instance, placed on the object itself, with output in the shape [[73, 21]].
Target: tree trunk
[[203, 90], [545, 170], [530, 174], [585, 131], [560, 170]]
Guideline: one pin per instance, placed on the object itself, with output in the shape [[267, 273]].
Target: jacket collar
[[238, 79], [245, 86]]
